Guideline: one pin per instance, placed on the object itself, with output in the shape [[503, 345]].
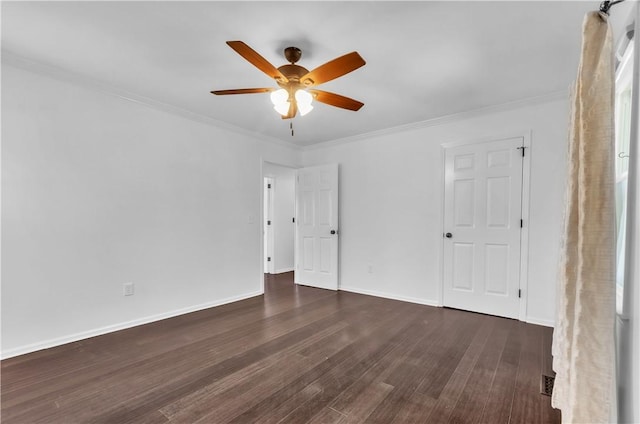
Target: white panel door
[[482, 225], [317, 227]]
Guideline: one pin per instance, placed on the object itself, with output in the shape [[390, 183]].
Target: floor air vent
[[546, 385]]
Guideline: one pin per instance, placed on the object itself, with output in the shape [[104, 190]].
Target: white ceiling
[[424, 59]]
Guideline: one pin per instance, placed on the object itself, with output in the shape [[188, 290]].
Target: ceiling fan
[[295, 94]]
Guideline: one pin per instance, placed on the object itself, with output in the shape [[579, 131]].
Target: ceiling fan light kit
[[295, 81], [303, 100]]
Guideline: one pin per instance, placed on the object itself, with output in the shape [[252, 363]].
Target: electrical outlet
[[128, 289]]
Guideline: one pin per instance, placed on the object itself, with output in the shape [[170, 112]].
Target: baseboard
[[282, 270], [121, 326], [530, 320], [389, 296], [540, 321]]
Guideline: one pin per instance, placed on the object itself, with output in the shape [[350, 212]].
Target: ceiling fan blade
[[242, 91], [333, 69], [256, 60], [336, 100]]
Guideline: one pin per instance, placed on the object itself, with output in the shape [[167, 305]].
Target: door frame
[[268, 234], [526, 136], [261, 227]]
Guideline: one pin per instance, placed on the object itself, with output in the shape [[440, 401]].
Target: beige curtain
[[583, 339]]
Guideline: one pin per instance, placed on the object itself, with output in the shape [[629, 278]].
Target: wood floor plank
[[473, 351], [446, 403], [429, 326], [500, 400], [182, 386], [295, 355], [405, 381], [299, 400], [137, 358], [224, 405], [366, 402], [472, 400], [412, 370], [446, 353], [247, 386], [155, 377], [416, 410], [334, 374], [545, 346], [127, 346], [527, 397], [328, 416]]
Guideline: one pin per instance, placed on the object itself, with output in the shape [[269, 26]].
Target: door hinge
[[268, 185], [268, 222], [519, 293], [269, 259], [521, 148], [293, 219], [521, 223]]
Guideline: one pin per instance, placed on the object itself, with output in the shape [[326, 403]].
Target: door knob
[[448, 235], [333, 231]]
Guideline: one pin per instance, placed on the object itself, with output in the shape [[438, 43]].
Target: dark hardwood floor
[[294, 355]]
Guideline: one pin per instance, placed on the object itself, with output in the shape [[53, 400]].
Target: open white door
[[317, 227], [482, 225]]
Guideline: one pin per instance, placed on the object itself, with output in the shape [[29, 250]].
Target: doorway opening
[[278, 218]]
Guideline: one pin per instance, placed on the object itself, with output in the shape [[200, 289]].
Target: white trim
[[540, 321], [487, 138], [526, 136], [389, 296], [441, 252], [261, 223], [12, 59], [261, 227], [121, 326], [283, 270], [295, 229], [269, 233], [503, 107], [527, 142]]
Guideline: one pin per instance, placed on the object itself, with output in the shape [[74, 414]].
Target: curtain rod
[[605, 5]]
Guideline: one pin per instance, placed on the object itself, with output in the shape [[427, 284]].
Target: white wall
[[98, 191], [283, 212], [391, 208]]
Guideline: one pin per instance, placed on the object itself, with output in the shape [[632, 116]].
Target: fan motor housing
[[293, 74]]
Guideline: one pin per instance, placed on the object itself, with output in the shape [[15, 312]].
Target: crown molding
[[18, 61], [21, 62], [502, 107]]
